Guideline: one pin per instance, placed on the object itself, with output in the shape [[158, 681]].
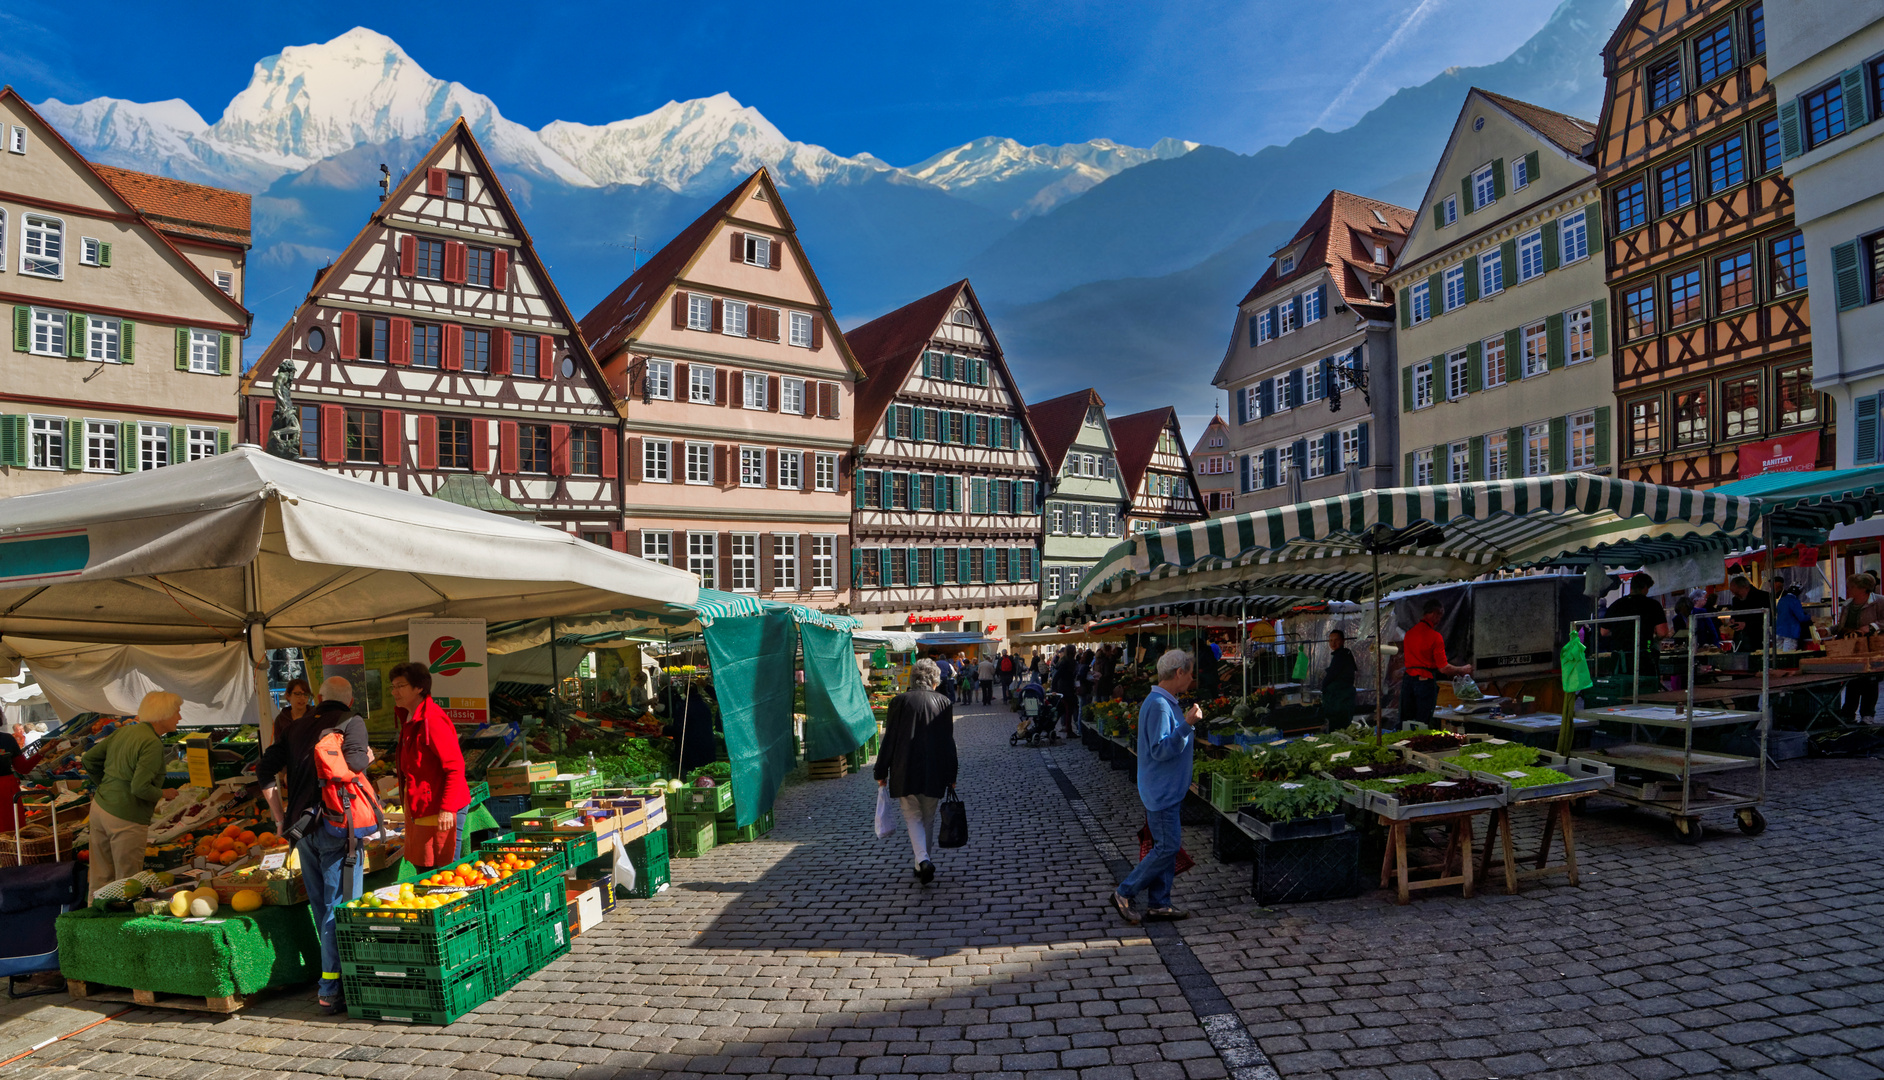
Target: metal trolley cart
[[1677, 781]]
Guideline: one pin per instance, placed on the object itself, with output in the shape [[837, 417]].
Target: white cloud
[[1401, 33]]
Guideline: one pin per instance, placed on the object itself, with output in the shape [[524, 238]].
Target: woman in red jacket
[[14, 763], [431, 769]]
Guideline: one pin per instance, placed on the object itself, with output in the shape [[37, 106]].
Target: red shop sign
[[1791, 453], [934, 618]]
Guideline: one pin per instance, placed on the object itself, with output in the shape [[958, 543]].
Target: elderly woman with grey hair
[[917, 762]]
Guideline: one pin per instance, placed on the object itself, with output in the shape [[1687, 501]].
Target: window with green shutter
[[1551, 252], [1475, 457], [1498, 178], [1599, 325], [1475, 367], [1471, 278], [127, 333], [129, 446], [1553, 340], [183, 348], [1559, 443], [77, 333], [1848, 275], [22, 328], [1602, 435], [13, 441], [222, 442], [1406, 388], [74, 445], [1466, 202]]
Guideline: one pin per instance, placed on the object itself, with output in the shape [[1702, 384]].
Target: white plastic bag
[[889, 815], [624, 867]]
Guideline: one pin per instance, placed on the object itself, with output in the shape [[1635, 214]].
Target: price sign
[[1444, 783], [1363, 768], [1290, 787], [196, 756], [1515, 774], [274, 860]]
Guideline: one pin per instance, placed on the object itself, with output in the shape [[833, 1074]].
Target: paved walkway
[[814, 952]]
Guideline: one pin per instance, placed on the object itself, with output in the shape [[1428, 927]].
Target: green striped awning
[[1804, 506], [1439, 533]]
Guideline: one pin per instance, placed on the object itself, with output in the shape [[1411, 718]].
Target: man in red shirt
[[1424, 651]]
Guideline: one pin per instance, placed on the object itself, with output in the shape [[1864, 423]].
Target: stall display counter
[[1532, 729]]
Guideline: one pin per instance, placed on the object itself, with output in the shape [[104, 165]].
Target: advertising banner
[[453, 651]]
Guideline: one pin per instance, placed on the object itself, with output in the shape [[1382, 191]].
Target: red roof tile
[[1135, 440], [1057, 422], [1341, 232], [610, 323], [183, 209], [1575, 137], [888, 347]]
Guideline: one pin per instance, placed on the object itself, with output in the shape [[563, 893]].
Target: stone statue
[[284, 431]]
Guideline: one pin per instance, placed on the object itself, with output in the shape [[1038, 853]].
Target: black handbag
[[951, 828]]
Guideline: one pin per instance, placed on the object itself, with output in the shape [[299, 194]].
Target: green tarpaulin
[[837, 709], [229, 954], [753, 661]]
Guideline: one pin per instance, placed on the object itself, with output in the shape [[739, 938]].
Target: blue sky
[[901, 81]]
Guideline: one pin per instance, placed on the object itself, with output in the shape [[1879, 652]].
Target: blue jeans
[[322, 853], [1154, 872]]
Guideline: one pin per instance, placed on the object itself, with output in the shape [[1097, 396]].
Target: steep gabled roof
[[1135, 440], [1056, 423], [1340, 235], [1571, 135], [188, 211], [887, 348]]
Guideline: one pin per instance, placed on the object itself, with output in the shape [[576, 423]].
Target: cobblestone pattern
[[813, 952], [1738, 957]]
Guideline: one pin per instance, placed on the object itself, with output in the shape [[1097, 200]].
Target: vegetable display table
[[1532, 729], [1393, 862], [215, 960], [1557, 818]]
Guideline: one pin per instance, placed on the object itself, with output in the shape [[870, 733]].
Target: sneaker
[[1167, 913], [1127, 908], [925, 873]]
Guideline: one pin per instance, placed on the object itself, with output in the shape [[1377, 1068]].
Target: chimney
[[385, 182]]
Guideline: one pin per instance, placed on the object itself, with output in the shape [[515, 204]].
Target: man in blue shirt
[[1165, 736]]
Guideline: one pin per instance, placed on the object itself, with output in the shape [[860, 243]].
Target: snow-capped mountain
[[313, 103]]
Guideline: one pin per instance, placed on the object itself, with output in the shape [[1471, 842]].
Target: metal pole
[[556, 682], [1766, 661], [1379, 686], [1242, 643]]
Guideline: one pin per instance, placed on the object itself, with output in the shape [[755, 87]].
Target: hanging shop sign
[[1793, 453], [926, 620], [453, 650]]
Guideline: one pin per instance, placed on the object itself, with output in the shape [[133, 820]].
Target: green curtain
[[837, 709], [753, 660]]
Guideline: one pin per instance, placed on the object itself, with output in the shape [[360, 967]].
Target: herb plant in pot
[[1295, 809]]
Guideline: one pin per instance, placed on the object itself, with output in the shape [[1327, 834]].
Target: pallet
[[828, 769], [84, 991]]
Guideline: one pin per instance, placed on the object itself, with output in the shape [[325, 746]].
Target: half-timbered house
[[1156, 469], [946, 524], [1085, 497], [1216, 467], [737, 388], [1706, 268], [435, 355]]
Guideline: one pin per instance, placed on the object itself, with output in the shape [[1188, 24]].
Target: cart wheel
[[1688, 830], [1751, 821]]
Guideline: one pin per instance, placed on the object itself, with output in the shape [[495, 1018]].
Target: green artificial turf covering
[[271, 946]]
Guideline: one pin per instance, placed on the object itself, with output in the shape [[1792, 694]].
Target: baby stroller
[[1037, 712]]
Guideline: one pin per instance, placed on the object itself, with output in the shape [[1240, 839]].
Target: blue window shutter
[[1366, 462], [1242, 408], [1252, 331], [1273, 312], [1296, 318], [1847, 275], [1791, 138], [1321, 300], [1331, 446], [1857, 102], [1864, 449], [1266, 396], [1269, 467], [1295, 388], [1298, 457]]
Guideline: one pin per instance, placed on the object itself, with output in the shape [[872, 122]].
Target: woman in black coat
[[917, 762], [692, 732]]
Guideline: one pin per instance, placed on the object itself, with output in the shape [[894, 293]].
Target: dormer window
[[1286, 266], [1380, 253]]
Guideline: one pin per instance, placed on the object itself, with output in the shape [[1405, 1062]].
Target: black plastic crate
[[1230, 844], [1293, 871], [1195, 811]]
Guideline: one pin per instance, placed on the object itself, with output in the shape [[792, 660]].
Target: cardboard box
[[585, 907], [516, 779]]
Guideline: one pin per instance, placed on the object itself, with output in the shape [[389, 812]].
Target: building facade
[[1707, 269], [1827, 66], [435, 355], [1086, 498], [738, 392], [946, 524], [127, 316], [1160, 483], [1503, 340], [1216, 468], [1315, 327]]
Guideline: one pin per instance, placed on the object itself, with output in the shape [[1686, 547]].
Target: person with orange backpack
[[330, 809]]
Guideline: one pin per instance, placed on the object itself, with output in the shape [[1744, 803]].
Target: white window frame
[[1497, 456], [657, 546], [1350, 446], [1484, 188], [1491, 274], [744, 562], [1265, 328], [1423, 467], [703, 558], [42, 228], [206, 353], [101, 446], [800, 330], [791, 470], [1531, 255], [660, 380], [1112, 523], [202, 442], [1423, 385], [1076, 521], [1486, 348], [55, 326], [700, 384], [104, 339], [1580, 430], [1573, 238], [823, 563], [1317, 458], [153, 446], [1536, 361], [752, 467], [1537, 448], [1252, 403], [1311, 382], [43, 435], [753, 391], [1422, 303], [1454, 286], [1053, 582], [17, 141], [1311, 307], [758, 251], [89, 250], [699, 312], [1286, 266], [1579, 335], [825, 476], [791, 396], [734, 317], [1520, 174], [1449, 212], [785, 562], [1058, 520], [700, 460], [1458, 462], [657, 461], [225, 280], [1458, 374], [1285, 319]]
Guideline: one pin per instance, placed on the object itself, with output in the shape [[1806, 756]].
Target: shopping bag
[[1146, 843], [624, 867], [887, 812], [951, 828]]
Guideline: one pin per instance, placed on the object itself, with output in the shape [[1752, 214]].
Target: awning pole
[[255, 629], [1379, 687], [556, 682], [1242, 645], [1766, 661]]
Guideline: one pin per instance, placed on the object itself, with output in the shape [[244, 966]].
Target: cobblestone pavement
[[815, 952]]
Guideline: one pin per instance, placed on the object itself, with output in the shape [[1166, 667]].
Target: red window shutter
[[611, 451], [399, 342], [545, 357], [777, 259], [682, 382], [481, 446], [408, 255], [719, 387], [264, 418], [500, 270], [434, 181], [719, 315], [392, 438], [559, 449], [771, 393], [618, 540], [453, 359], [763, 556], [726, 561], [843, 478], [843, 565], [722, 464], [631, 474], [837, 400], [739, 247], [817, 331], [333, 434], [454, 261], [426, 453], [500, 353], [680, 311], [771, 468], [507, 446], [349, 343], [824, 399]]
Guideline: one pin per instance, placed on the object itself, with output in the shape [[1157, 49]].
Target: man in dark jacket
[[692, 732], [1066, 684], [323, 846], [917, 762]]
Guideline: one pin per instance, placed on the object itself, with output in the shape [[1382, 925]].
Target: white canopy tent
[[249, 548]]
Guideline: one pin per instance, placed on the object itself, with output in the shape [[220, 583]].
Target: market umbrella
[[248, 546]]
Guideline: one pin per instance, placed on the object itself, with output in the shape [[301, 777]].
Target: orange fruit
[[246, 837]]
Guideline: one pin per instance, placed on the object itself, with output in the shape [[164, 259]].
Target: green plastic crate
[[510, 963], [548, 856], [394, 948], [416, 1001], [509, 920], [576, 848], [1230, 795], [436, 921], [548, 941], [573, 787], [480, 791], [546, 902], [650, 879], [694, 835], [730, 832], [699, 800], [653, 845], [541, 819]]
